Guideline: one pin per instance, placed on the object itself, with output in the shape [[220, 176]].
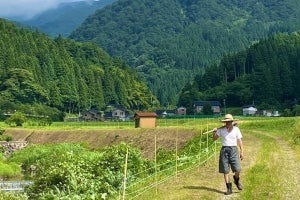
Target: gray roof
[[202, 103]]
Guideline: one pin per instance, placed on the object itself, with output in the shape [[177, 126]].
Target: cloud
[[27, 8]]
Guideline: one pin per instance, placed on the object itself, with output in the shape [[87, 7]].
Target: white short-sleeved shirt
[[229, 139]]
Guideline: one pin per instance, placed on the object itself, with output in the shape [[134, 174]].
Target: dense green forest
[[39, 74], [171, 41], [266, 74]]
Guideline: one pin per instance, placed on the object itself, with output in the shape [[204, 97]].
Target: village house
[[180, 111], [91, 115], [249, 110], [270, 113], [115, 112], [169, 113], [215, 106]]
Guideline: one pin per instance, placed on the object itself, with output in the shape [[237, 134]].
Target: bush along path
[[270, 170]]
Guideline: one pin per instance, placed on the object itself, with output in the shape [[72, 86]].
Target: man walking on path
[[231, 137]]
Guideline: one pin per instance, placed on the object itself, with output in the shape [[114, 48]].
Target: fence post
[[155, 163], [200, 151], [125, 174], [176, 156], [207, 142], [215, 150]]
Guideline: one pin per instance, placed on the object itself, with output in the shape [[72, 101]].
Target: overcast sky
[[27, 8]]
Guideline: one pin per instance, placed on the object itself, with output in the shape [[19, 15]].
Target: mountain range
[[64, 18], [170, 42]]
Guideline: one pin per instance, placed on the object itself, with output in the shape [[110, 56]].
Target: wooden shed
[[145, 119]]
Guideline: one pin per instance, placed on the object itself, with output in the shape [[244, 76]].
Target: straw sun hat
[[228, 118]]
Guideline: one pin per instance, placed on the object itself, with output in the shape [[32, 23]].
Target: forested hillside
[[266, 74], [171, 41], [65, 18], [62, 74]]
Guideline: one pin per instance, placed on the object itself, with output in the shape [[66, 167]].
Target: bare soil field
[[143, 139]]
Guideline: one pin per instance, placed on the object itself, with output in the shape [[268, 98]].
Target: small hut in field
[[145, 119]]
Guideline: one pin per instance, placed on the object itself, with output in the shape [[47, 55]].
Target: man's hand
[[215, 136], [241, 155]]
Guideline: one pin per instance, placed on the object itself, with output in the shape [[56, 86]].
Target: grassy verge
[[263, 178], [9, 170], [283, 126]]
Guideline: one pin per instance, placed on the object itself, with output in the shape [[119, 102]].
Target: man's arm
[[215, 136], [240, 144]]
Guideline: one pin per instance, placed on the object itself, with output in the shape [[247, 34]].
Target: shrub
[[9, 169], [296, 110], [79, 173], [2, 130], [16, 119], [6, 138], [12, 196]]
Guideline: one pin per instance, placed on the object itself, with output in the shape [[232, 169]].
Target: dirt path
[[206, 183]]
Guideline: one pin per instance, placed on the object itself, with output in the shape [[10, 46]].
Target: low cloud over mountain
[[26, 9]]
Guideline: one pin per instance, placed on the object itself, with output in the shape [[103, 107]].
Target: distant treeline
[[266, 74], [63, 75]]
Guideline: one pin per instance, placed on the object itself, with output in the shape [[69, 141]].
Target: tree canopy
[[63, 74], [171, 41], [266, 74]]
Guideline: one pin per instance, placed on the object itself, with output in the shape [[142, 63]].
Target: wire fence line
[[185, 121], [164, 178], [14, 185], [167, 170], [162, 172]]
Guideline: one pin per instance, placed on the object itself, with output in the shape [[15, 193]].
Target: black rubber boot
[[237, 183], [229, 189]]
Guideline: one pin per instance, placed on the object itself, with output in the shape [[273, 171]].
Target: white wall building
[[249, 110]]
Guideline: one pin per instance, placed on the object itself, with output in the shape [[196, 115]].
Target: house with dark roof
[[215, 106], [108, 116], [91, 115], [115, 112], [180, 110]]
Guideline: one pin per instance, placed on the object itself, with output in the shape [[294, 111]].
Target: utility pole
[[224, 102]]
